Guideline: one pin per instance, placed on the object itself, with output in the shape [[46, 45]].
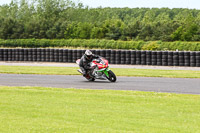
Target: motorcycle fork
[[106, 72]]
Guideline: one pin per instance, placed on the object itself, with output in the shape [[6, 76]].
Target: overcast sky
[[191, 4]]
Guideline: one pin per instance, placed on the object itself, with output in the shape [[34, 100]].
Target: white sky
[[191, 4]]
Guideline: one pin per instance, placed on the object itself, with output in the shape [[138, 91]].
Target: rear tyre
[[90, 79], [112, 77]]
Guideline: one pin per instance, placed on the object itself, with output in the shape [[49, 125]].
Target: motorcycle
[[100, 70]]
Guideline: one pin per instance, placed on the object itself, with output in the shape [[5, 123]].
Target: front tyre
[[112, 77]]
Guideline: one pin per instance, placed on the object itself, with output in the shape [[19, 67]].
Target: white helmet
[[88, 54]]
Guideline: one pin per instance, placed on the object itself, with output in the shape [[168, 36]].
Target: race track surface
[[170, 85]]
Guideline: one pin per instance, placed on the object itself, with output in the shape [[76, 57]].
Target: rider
[[85, 61]]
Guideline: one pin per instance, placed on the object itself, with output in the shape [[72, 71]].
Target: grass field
[[117, 71], [36, 109]]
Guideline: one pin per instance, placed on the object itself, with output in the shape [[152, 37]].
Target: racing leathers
[[85, 63]]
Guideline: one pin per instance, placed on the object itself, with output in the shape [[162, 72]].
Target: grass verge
[[117, 71], [37, 109]]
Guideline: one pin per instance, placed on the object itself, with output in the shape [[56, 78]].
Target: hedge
[[101, 44]]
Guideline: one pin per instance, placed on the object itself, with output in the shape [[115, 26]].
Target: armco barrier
[[159, 58]]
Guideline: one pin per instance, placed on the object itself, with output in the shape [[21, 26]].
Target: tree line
[[65, 19]]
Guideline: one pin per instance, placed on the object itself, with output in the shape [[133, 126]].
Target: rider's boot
[[83, 71]]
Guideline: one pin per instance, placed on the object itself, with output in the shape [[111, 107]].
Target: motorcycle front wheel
[[112, 77]]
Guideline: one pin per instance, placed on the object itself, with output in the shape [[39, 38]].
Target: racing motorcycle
[[100, 70]]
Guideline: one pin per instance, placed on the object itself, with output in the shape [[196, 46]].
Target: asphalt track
[[169, 85]]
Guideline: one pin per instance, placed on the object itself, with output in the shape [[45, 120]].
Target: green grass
[[157, 73], [39, 70], [36, 109], [117, 71]]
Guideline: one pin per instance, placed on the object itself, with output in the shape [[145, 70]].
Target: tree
[[177, 35], [132, 30], [71, 31], [113, 28], [97, 33], [57, 19], [84, 30]]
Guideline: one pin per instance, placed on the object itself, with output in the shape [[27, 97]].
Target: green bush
[[101, 44], [151, 46]]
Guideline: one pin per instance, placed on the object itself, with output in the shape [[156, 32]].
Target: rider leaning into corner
[[85, 61]]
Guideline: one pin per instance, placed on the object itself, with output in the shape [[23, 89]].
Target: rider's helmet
[[88, 54]]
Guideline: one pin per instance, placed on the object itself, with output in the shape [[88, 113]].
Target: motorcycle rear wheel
[[90, 79]]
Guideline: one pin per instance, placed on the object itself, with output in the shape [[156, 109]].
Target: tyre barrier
[[138, 57], [143, 57], [186, 58], [159, 58], [148, 57], [112, 57], [123, 57], [118, 57], [164, 58], [108, 55], [175, 58], [181, 58], [170, 58], [197, 59], [69, 56], [133, 57], [128, 57], [154, 58]]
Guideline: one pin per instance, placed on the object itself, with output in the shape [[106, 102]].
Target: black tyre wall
[[112, 57], [192, 59], [51, 54], [34, 54], [1, 54], [128, 57], [197, 59], [175, 59], [186, 58], [123, 57], [79, 54], [164, 58], [5, 54], [154, 58], [133, 57], [138, 57], [65, 54], [43, 55], [149, 57], [181, 58], [69, 56], [118, 57], [170, 58], [9, 54], [108, 54], [160, 58], [143, 57], [47, 55]]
